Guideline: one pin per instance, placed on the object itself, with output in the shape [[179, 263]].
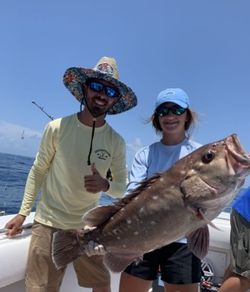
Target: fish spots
[[115, 231], [142, 210], [169, 210]]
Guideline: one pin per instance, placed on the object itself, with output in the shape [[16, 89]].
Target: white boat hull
[[14, 252], [13, 258], [69, 283]]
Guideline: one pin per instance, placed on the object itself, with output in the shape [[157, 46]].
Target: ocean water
[[14, 170], [13, 174]]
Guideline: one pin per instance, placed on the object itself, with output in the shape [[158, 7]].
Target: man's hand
[[95, 183], [93, 248], [14, 226]]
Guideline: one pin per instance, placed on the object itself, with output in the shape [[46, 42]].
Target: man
[[237, 276], [75, 154]]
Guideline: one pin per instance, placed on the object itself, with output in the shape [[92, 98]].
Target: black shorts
[[175, 262]]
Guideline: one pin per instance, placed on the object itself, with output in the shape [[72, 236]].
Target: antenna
[[41, 109]]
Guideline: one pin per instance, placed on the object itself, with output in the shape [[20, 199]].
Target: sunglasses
[[164, 111], [99, 87]]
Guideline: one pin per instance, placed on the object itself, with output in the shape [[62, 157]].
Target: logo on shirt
[[102, 154]]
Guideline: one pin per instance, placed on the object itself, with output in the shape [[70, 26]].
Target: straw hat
[[106, 69]]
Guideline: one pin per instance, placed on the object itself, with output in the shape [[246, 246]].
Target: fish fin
[[141, 186], [214, 226], [65, 248], [209, 222], [198, 241], [117, 262], [99, 215], [138, 190]]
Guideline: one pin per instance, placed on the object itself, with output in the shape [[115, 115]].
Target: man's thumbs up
[[95, 183], [93, 169]]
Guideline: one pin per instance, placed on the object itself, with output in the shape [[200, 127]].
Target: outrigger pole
[[41, 109]]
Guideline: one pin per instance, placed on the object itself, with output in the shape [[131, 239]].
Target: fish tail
[[66, 247]]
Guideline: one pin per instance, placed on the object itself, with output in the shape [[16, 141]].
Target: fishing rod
[[41, 109], [5, 186], [109, 174]]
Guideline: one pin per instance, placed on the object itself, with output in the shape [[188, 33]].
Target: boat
[[13, 258]]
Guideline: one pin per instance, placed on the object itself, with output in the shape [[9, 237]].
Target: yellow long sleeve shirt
[[60, 166]]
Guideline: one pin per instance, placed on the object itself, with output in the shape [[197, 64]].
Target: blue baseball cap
[[175, 95]]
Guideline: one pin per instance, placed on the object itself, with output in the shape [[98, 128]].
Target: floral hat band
[[106, 69]]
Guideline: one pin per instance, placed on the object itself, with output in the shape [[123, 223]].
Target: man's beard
[[96, 111]]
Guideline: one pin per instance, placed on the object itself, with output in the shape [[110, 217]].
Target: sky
[[200, 46]]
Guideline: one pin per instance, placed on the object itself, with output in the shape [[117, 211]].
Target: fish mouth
[[239, 159], [238, 168]]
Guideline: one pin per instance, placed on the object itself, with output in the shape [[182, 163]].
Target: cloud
[[135, 145], [132, 148], [15, 139]]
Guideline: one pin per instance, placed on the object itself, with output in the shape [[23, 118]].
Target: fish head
[[214, 174]]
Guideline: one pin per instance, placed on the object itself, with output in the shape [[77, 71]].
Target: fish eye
[[208, 157]]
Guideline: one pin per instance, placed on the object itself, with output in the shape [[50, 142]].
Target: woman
[[180, 269]]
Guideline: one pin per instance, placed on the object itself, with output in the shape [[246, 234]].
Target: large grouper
[[178, 203]]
